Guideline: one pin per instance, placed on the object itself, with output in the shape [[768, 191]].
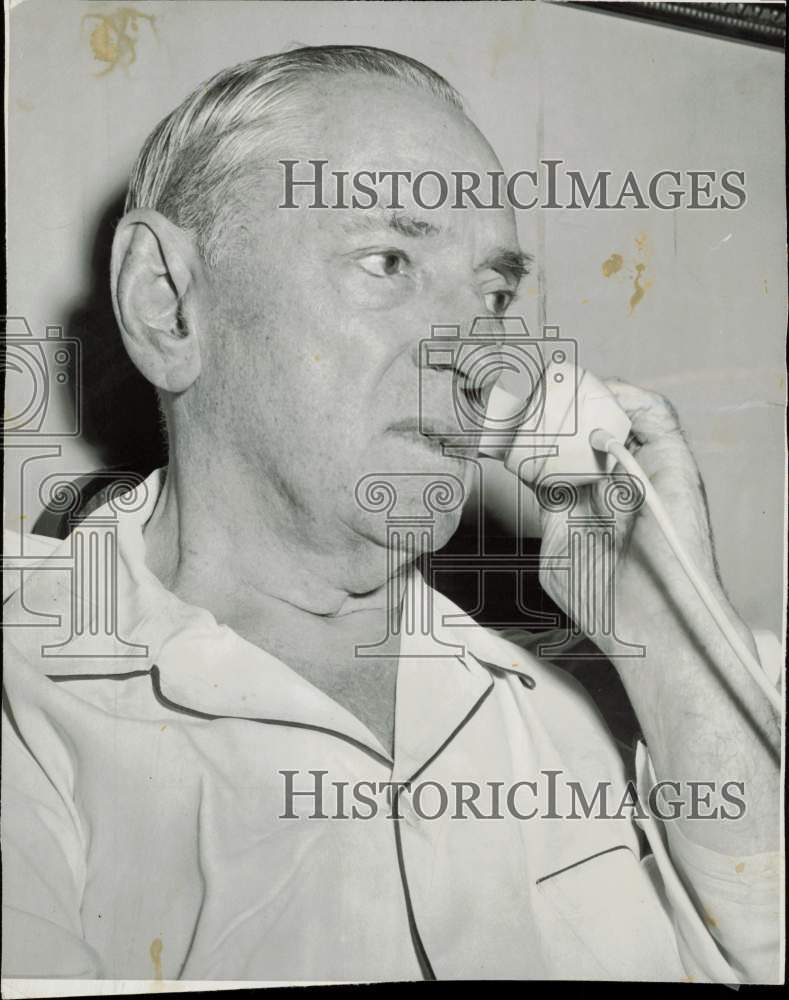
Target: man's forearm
[[704, 719]]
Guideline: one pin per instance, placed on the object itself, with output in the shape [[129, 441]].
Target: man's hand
[[657, 442], [702, 715]]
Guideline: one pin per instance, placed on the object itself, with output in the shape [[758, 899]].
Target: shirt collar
[[203, 667]]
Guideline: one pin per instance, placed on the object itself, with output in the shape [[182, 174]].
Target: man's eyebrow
[[513, 264], [400, 222]]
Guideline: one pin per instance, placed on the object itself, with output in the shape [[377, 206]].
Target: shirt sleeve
[[21, 553], [43, 872], [726, 910], [770, 656]]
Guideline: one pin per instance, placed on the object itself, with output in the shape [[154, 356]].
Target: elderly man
[[192, 805]]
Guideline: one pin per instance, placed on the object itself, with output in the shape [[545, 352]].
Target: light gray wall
[[709, 332], [599, 92]]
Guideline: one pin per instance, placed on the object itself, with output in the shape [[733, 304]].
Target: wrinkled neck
[[239, 550]]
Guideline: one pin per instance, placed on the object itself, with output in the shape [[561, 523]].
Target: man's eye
[[498, 302], [385, 264]]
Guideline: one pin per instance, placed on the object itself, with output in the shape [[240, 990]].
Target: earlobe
[[154, 269]]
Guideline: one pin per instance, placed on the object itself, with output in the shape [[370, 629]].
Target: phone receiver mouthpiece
[[560, 439]]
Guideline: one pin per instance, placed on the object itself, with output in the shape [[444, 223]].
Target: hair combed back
[[188, 164]]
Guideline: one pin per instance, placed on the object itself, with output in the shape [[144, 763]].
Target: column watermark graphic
[[409, 533], [589, 562]]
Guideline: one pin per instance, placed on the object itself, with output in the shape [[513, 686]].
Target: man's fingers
[[651, 415]]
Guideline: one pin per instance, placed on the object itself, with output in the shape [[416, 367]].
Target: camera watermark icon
[[34, 367], [500, 348], [524, 400]]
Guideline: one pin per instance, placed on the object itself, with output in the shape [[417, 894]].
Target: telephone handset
[[582, 434], [549, 433]]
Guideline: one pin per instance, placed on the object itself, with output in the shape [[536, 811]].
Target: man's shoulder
[[511, 650], [24, 553], [61, 604], [579, 697], [516, 649], [37, 595]]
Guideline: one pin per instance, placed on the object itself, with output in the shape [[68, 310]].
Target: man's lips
[[430, 431]]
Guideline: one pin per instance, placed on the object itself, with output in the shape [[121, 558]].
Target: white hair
[[191, 161]]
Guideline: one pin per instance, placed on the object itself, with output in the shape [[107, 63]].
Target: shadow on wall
[[120, 416]]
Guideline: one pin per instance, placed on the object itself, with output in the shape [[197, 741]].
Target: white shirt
[[143, 801]]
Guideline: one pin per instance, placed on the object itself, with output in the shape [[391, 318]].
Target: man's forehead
[[387, 156], [371, 121]]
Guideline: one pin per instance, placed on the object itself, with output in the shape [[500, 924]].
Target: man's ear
[[154, 269]]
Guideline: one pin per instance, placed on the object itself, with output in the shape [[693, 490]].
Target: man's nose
[[470, 358], [460, 339]]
